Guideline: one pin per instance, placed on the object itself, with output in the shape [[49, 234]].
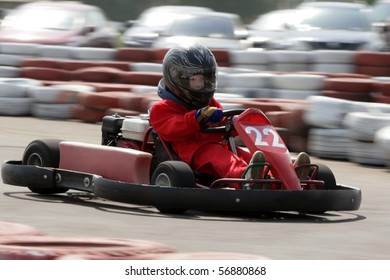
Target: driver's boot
[[256, 171], [302, 171]]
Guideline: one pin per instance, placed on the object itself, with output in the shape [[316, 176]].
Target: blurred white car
[[271, 26], [69, 23], [380, 14], [327, 25], [153, 21], [215, 30]]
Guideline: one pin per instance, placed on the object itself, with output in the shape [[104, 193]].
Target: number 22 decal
[[265, 131]]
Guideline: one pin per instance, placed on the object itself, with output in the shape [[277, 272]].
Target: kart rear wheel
[[173, 174], [44, 153]]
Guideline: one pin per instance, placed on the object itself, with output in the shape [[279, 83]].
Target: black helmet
[[184, 61]]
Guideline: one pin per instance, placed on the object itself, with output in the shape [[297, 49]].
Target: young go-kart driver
[[187, 91]]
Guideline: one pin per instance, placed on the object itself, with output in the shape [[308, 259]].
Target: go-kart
[[134, 165]]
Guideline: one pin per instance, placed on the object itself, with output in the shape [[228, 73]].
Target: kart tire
[[173, 174], [44, 153], [325, 174]]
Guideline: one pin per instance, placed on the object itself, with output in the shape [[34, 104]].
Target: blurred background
[[122, 10]]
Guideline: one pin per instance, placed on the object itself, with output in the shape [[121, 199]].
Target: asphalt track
[[356, 235]]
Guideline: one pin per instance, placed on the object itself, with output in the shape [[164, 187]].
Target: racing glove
[[208, 114]]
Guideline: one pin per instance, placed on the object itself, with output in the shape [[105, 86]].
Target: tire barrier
[[97, 74], [53, 94], [255, 59], [347, 95], [16, 229], [103, 87], [40, 73], [88, 115], [354, 89], [293, 93], [230, 101], [296, 86], [72, 65], [12, 89], [332, 61], [366, 153], [25, 49], [302, 82], [222, 57], [58, 52], [382, 139], [146, 67], [140, 78], [11, 60], [13, 106], [364, 125], [158, 54], [329, 143], [10, 72], [134, 55], [251, 85], [326, 112], [42, 63], [57, 101], [88, 53], [288, 61], [51, 248], [349, 85], [373, 63], [102, 100]]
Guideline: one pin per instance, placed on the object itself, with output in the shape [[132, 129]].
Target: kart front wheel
[[325, 174], [44, 153], [173, 174]]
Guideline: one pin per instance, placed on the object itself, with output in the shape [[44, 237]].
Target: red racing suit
[[204, 152]]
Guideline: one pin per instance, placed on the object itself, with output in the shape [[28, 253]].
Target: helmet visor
[[196, 79]]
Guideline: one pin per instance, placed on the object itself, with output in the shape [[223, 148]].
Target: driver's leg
[[216, 160]]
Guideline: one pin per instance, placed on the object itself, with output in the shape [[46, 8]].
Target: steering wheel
[[222, 126]]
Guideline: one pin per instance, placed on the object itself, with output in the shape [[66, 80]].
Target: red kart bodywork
[[257, 133]]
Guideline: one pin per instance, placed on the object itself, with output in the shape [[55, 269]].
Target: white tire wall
[[288, 61], [25, 49], [98, 54], [382, 139], [326, 112], [366, 153], [146, 67], [9, 71], [298, 81], [293, 93], [57, 101], [11, 60], [330, 143], [58, 52], [13, 106], [364, 125]]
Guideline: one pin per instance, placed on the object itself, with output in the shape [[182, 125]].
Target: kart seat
[[126, 165]]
